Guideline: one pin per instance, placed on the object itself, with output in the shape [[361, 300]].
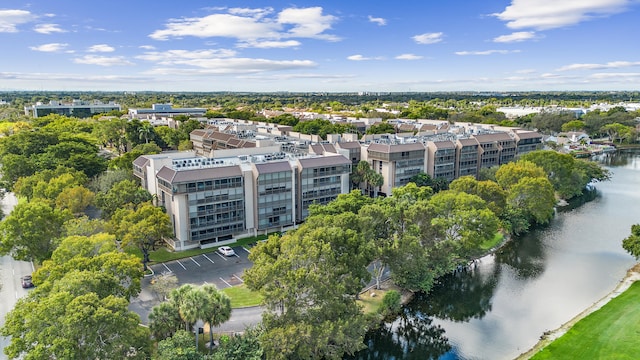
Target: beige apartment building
[[240, 193]]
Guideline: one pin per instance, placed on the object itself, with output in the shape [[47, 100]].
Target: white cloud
[[550, 14], [619, 76], [268, 44], [232, 66], [486, 52], [48, 29], [255, 13], [408, 57], [526, 71], [101, 48], [377, 20], [515, 37], [307, 23], [294, 76], [10, 19], [609, 65], [52, 47], [71, 77], [102, 60], [181, 56], [428, 38], [359, 57], [252, 25], [222, 25], [147, 47]]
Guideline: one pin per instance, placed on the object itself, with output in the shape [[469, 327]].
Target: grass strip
[[612, 332]]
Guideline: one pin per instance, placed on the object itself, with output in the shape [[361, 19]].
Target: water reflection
[[535, 283], [411, 336], [462, 296], [525, 255]]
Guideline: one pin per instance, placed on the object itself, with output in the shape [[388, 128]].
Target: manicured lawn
[[242, 297], [613, 332], [497, 239], [371, 304]]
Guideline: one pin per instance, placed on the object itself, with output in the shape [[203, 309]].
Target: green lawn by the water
[[613, 332]]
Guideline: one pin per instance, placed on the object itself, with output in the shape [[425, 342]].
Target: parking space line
[[223, 257], [166, 267], [247, 250], [194, 260], [208, 258], [179, 263], [221, 279], [239, 278]]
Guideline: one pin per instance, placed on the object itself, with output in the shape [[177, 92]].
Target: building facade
[[214, 201], [76, 108]]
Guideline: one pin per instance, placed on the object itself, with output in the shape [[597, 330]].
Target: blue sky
[[193, 45]]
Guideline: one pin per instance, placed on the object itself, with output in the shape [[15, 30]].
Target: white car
[[226, 251]]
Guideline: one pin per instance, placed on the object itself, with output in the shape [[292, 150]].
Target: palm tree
[[192, 306], [217, 309], [375, 180], [177, 298], [144, 131], [164, 321]]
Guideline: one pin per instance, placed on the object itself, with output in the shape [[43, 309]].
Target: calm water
[[535, 283]]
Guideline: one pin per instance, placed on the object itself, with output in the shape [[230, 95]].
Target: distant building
[[164, 110], [77, 108]]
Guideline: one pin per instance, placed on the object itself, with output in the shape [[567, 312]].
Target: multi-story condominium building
[[468, 155], [77, 108], [242, 192], [397, 163], [489, 150], [527, 141], [441, 159]]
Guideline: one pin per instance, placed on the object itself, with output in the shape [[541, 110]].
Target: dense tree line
[[86, 276], [310, 278]]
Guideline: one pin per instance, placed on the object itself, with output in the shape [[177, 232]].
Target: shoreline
[[633, 275]]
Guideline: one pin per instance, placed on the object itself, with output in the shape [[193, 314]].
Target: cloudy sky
[[375, 45]]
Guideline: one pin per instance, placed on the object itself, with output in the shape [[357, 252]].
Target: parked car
[[226, 251], [26, 282]]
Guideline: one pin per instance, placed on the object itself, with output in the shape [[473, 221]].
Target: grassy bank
[[608, 333]]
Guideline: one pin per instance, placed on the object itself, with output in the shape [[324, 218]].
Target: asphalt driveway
[[208, 268]]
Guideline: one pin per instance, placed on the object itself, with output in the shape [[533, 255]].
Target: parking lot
[[209, 268]]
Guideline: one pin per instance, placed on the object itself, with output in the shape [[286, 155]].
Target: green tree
[[568, 175], [216, 309], [534, 197], [69, 326], [573, 125], [75, 199], [245, 346], [165, 321], [126, 193], [509, 174], [618, 132], [310, 279], [32, 231], [117, 273], [144, 228], [178, 347], [381, 128], [351, 202], [632, 243]]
